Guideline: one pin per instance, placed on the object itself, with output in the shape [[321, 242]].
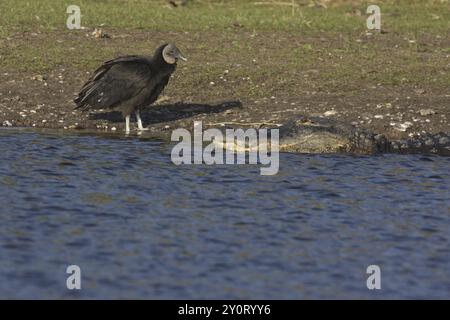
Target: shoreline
[[305, 135], [239, 88]]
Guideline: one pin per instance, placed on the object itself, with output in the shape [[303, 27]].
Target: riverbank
[[242, 72]]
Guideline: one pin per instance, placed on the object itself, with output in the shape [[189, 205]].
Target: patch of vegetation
[[312, 46], [346, 16]]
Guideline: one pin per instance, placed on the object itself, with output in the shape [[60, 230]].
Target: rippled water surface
[[141, 227]]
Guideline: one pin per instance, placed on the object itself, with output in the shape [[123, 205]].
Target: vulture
[[129, 83]]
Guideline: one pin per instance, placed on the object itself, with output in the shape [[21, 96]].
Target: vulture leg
[[127, 124], [139, 121]]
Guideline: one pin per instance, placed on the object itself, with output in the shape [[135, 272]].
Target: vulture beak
[[181, 57]]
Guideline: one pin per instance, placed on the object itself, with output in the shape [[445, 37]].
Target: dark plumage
[[129, 83]]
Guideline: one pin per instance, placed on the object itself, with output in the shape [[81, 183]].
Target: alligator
[[321, 135]]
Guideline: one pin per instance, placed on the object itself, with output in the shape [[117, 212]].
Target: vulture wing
[[116, 81]]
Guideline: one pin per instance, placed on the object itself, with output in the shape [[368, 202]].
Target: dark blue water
[[140, 227]]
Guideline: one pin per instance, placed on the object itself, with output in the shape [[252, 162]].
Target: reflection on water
[[140, 227]]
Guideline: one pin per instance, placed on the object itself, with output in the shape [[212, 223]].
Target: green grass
[[401, 16], [285, 44]]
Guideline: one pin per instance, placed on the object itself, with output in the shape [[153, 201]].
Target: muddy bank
[[298, 133], [46, 102]]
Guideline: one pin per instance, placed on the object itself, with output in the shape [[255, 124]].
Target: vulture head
[[171, 54]]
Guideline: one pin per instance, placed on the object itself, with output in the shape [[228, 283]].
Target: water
[[140, 227]]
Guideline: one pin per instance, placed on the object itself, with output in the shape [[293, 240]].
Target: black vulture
[[129, 83]]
